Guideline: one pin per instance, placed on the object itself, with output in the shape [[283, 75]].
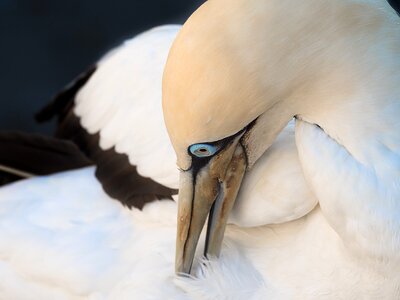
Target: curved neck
[[351, 90], [332, 63], [345, 79]]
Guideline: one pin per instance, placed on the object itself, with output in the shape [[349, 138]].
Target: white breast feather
[[274, 190], [64, 238], [358, 203]]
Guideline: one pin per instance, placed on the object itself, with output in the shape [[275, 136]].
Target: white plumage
[[62, 237], [122, 101], [274, 191]]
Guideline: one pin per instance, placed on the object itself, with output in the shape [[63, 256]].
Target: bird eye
[[203, 150]]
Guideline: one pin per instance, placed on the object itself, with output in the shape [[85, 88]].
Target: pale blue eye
[[203, 150]]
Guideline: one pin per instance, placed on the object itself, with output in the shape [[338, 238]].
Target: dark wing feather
[[64, 100], [118, 177], [22, 155], [6, 177]]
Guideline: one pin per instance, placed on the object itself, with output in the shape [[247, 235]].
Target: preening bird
[[113, 113], [326, 206], [64, 238], [237, 72]]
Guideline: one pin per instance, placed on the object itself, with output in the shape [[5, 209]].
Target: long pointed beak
[[212, 191]]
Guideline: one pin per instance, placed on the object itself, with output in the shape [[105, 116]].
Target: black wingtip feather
[[6, 178], [61, 102], [37, 154], [118, 177]]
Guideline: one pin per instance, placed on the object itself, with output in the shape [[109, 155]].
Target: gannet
[[113, 113], [237, 72], [64, 238]]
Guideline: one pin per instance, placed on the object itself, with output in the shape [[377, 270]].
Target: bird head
[[216, 112]]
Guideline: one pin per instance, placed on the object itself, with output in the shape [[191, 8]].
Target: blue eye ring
[[203, 150]]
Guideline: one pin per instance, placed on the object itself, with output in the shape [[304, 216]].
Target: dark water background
[[46, 43]]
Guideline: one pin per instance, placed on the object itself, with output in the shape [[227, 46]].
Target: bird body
[[64, 238], [116, 113], [325, 204], [60, 242]]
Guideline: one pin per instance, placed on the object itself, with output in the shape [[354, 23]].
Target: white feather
[[122, 101], [62, 237], [274, 190]]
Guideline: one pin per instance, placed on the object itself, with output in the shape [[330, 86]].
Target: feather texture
[[122, 101], [63, 238], [113, 113]]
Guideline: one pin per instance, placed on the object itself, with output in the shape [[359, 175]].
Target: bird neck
[[350, 88], [334, 64], [343, 76], [365, 124]]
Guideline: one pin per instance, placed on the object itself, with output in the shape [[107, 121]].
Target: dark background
[[46, 43]]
